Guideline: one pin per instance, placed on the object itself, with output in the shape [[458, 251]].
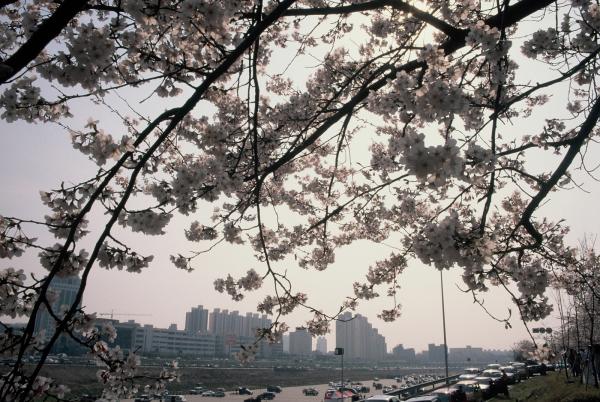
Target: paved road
[[289, 394]]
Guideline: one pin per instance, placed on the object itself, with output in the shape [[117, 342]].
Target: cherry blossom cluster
[[16, 299], [447, 242], [232, 287], [72, 262], [12, 239], [147, 222], [543, 42], [99, 145], [42, 387], [120, 258]]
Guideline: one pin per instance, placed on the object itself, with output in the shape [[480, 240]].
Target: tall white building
[[322, 345], [358, 338], [300, 342]]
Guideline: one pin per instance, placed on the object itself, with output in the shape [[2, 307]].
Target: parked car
[[332, 395], [493, 366], [274, 388], [383, 398], [143, 398], [310, 392], [512, 375], [267, 395], [472, 390], [425, 398], [244, 391], [491, 383], [174, 398], [444, 394], [521, 369], [208, 393], [377, 385], [219, 394], [469, 373], [534, 367], [197, 390]]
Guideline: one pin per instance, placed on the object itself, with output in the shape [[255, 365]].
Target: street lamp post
[[340, 352], [444, 325]]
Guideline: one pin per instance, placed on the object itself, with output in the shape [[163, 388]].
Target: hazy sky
[[36, 157]]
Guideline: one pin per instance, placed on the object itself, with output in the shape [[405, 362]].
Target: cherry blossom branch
[[511, 15], [41, 37], [576, 143]]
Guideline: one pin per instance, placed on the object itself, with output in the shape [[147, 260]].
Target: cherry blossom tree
[[451, 175]]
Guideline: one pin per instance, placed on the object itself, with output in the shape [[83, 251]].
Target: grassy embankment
[[551, 388]]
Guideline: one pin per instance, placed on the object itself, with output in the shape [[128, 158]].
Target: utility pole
[[444, 325], [340, 352]]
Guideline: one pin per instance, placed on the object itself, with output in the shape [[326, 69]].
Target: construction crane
[[112, 314]]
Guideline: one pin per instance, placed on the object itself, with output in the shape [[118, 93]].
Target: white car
[[383, 398], [469, 374]]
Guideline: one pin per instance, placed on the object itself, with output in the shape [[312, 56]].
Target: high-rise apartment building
[[66, 289], [223, 322], [322, 345], [300, 342], [196, 320], [358, 338]]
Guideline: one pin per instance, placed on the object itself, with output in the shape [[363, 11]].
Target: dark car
[[244, 391], [310, 392], [267, 395], [219, 394], [274, 388], [534, 367]]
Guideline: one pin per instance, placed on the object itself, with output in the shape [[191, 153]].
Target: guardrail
[[422, 388]]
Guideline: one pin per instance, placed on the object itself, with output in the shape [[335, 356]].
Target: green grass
[[551, 388]]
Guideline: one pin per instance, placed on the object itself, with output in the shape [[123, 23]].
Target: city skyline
[[219, 321]]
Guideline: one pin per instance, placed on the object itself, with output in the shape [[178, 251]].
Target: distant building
[[300, 342], [477, 355], [322, 345], [66, 289], [223, 322], [146, 339], [196, 320], [358, 338], [285, 340], [227, 346], [436, 354], [405, 355]]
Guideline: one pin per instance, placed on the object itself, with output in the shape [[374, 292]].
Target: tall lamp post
[[340, 352], [444, 325]]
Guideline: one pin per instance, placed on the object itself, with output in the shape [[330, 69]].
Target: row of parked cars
[[476, 385]]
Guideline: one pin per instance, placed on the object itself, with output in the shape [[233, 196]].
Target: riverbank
[[553, 387]]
